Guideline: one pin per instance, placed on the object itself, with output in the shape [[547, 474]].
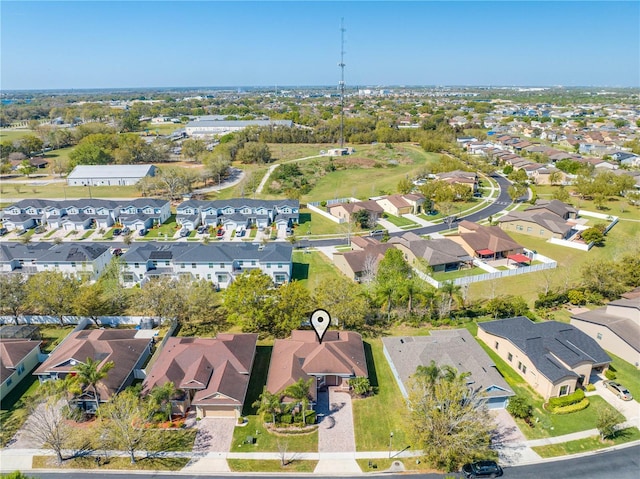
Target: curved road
[[502, 202], [621, 463]]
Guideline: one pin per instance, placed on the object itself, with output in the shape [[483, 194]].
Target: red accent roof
[[485, 252], [519, 258]]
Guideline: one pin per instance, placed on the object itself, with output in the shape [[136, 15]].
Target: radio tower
[[341, 84]]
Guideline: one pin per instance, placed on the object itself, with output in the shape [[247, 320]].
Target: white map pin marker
[[320, 321]]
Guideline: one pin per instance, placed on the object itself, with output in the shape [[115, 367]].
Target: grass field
[[375, 417], [592, 443], [266, 465], [35, 189], [398, 220], [316, 224], [461, 273], [626, 374], [11, 135], [312, 268]]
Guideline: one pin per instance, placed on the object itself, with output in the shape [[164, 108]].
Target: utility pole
[[341, 85]]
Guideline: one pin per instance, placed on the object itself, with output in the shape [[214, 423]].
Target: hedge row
[[297, 419], [568, 400], [579, 406]]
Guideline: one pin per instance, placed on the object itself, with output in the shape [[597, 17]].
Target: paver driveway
[[335, 415]]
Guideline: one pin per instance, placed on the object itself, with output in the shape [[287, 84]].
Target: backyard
[[312, 268]]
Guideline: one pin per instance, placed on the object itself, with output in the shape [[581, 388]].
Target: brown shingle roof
[[12, 353], [302, 356], [217, 369], [487, 237]]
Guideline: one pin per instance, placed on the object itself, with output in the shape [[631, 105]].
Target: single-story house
[[345, 211], [616, 327], [536, 223], [18, 357], [557, 207], [331, 363], [485, 242], [399, 205], [127, 348], [454, 347], [440, 254], [211, 374], [554, 358], [109, 175], [363, 260]]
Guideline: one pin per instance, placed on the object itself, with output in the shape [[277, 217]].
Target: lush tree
[[129, 122], [89, 154], [268, 404], [160, 297], [362, 219], [507, 306], [27, 169], [247, 301], [92, 302], [600, 276], [555, 177], [91, 373], [449, 421], [194, 149], [52, 293], [404, 186], [344, 300], [593, 235], [520, 407], [13, 295], [176, 181], [290, 305], [253, 152], [201, 311], [561, 194], [160, 399], [609, 421], [393, 271], [516, 191], [360, 385], [121, 421], [300, 392], [29, 144], [569, 166]]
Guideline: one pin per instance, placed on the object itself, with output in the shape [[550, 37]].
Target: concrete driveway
[[629, 409], [509, 441]]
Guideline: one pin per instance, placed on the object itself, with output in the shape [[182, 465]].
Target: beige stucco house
[[18, 357], [554, 358]]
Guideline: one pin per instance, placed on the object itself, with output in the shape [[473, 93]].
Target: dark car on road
[[482, 469], [619, 390], [117, 231], [126, 231], [143, 232], [3, 231]]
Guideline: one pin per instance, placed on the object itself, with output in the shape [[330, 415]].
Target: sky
[[109, 44]]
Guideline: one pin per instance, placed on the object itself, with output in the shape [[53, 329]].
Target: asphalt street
[[617, 464]]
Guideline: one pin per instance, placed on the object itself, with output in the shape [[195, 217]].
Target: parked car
[[21, 232], [619, 390], [143, 231], [3, 231], [184, 232], [220, 233], [242, 232], [376, 232], [202, 229], [126, 230], [117, 252], [117, 232], [482, 469]]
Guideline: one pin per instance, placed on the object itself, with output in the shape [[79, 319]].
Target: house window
[[182, 266], [280, 278], [279, 265], [221, 278], [253, 263], [519, 365], [510, 357], [73, 264], [529, 229], [496, 345], [519, 228], [564, 390], [599, 335], [166, 263], [209, 276], [136, 265], [524, 369], [222, 265], [193, 265], [9, 381], [541, 232], [20, 369]]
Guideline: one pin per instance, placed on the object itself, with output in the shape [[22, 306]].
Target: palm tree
[[268, 404], [160, 398], [451, 291], [299, 391], [90, 374]]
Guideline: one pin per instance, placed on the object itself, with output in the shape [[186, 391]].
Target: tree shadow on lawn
[[258, 378], [371, 366]]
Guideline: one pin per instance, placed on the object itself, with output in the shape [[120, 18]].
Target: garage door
[[496, 403], [218, 411]]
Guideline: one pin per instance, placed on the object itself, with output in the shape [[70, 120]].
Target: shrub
[[579, 406], [519, 407], [609, 374], [286, 419], [590, 387], [575, 397], [310, 417], [360, 385]]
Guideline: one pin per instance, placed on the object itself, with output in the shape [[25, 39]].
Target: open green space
[[312, 268], [615, 206], [161, 129], [141, 464], [62, 191], [626, 374], [266, 441], [623, 238], [592, 443], [398, 220], [375, 417], [311, 223], [274, 465], [545, 423], [12, 135], [291, 151]]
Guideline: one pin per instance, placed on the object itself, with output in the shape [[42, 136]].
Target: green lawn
[[265, 465], [142, 463], [87, 234], [258, 378], [398, 220], [461, 273], [592, 443], [316, 224], [627, 375], [167, 228], [312, 268], [268, 442], [52, 335], [13, 411], [375, 417], [547, 425], [12, 135], [61, 191]]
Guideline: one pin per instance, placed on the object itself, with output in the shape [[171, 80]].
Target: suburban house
[[81, 214], [398, 205], [238, 213], [218, 263], [109, 175], [485, 242], [331, 363], [546, 219], [454, 347], [554, 358], [18, 357], [616, 327], [209, 125], [363, 261], [211, 374], [127, 348], [440, 254], [466, 178], [345, 211], [87, 260]]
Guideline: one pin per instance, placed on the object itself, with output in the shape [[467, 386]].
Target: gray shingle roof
[[544, 342], [110, 171]]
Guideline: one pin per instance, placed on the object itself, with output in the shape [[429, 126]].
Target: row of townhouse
[[81, 214], [238, 212], [218, 263]]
